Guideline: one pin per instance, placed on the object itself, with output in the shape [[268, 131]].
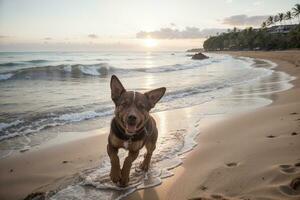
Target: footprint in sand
[[232, 164], [294, 133], [211, 197], [292, 189], [287, 169], [217, 196], [295, 184]]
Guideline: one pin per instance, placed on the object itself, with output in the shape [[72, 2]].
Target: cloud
[[93, 36], [244, 20], [187, 33]]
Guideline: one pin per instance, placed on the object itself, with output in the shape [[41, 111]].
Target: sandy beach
[[252, 156], [255, 155]]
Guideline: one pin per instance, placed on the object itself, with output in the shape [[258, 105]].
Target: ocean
[[45, 94]]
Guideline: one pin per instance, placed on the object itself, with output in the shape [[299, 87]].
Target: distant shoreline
[[281, 37]]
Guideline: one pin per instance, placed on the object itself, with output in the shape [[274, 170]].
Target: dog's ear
[[117, 88], [154, 96]]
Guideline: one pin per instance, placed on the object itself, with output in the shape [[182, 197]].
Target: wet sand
[[46, 167], [250, 156]]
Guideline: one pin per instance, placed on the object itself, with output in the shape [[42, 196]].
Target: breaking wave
[[98, 69], [34, 123], [37, 61], [59, 71], [5, 76], [10, 64]]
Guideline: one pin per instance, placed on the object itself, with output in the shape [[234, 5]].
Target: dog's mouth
[[131, 128]]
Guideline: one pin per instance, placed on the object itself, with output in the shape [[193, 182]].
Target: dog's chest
[[125, 144], [134, 146]]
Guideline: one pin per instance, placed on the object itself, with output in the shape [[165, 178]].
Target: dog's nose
[[132, 119]]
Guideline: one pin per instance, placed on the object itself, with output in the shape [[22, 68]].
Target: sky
[[118, 25]]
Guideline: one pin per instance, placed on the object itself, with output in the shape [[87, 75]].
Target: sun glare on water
[[150, 42]]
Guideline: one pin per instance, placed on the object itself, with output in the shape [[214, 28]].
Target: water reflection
[[263, 87], [184, 118], [149, 82], [148, 60]]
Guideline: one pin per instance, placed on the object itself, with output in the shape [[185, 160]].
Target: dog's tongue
[[131, 128]]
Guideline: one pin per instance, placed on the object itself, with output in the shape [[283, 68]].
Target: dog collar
[[120, 132]]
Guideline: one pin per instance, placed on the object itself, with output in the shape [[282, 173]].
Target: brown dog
[[131, 128]]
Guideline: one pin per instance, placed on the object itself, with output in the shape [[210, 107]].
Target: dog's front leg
[[132, 155], [147, 157], [115, 172]]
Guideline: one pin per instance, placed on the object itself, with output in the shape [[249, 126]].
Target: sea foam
[[5, 76]]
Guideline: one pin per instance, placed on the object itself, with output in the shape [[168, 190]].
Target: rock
[[199, 56]]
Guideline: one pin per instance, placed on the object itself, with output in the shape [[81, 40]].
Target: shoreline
[[89, 157], [251, 156]]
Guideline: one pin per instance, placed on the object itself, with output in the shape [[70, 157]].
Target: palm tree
[[280, 17], [296, 11], [270, 20], [264, 25], [288, 16]]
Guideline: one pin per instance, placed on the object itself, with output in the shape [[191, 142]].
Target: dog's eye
[[124, 103], [141, 106]]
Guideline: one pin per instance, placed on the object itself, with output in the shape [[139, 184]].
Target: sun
[[150, 42]]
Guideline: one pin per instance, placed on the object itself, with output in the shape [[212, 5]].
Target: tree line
[[281, 18], [282, 35]]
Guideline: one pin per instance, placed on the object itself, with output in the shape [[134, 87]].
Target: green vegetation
[[284, 34]]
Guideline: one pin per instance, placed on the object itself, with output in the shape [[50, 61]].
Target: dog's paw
[[115, 176], [124, 181]]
